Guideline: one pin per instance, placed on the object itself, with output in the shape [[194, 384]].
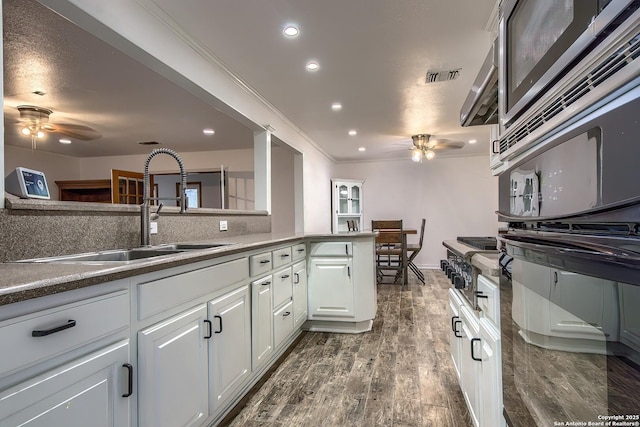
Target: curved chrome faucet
[[145, 220]]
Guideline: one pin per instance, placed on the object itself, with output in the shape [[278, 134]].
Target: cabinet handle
[[495, 150], [208, 322], [453, 318], [220, 318], [301, 250], [284, 256], [286, 313], [266, 283], [286, 276], [44, 332], [346, 249], [456, 332], [297, 278], [129, 369], [473, 356], [348, 271], [265, 261], [555, 277], [480, 295]]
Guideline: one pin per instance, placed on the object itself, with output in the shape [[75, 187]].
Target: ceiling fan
[[34, 122], [424, 146]]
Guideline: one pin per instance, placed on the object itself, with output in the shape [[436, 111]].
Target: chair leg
[[417, 272]]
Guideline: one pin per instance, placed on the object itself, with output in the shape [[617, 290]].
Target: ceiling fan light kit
[[422, 149]]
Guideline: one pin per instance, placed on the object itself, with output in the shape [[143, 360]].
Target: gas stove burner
[[482, 243]]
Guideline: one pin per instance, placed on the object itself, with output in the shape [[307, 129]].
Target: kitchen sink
[[194, 246], [120, 255]]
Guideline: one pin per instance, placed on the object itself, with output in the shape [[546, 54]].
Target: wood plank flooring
[[398, 374]]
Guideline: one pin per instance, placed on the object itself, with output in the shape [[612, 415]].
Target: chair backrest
[[389, 232], [424, 221], [386, 224]]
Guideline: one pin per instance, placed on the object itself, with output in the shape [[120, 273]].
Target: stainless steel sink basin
[[194, 246], [120, 255]]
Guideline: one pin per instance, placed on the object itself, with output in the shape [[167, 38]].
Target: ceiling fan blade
[[444, 144], [81, 132]]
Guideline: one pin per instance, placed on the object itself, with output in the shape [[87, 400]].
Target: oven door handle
[[574, 248]]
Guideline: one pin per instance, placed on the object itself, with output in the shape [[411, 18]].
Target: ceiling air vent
[[442, 75]]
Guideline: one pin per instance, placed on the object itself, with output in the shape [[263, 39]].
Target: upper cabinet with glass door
[[347, 205]]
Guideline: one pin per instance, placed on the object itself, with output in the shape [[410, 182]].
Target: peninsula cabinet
[[68, 364], [342, 284], [173, 371]]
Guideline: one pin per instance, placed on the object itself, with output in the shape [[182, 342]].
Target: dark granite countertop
[[23, 281]]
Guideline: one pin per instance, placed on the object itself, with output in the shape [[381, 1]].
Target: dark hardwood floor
[[398, 374]]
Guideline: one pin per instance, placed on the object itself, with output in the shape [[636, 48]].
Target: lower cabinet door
[[282, 324], [173, 380], [491, 378], [299, 294], [455, 335], [471, 363], [331, 291], [261, 321], [86, 392], [230, 344]]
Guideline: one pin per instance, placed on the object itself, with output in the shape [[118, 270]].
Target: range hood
[[481, 105]]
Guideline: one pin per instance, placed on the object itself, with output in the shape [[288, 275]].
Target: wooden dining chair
[[412, 252], [389, 248]]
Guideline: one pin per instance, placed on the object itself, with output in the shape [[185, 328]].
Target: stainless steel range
[[458, 267]]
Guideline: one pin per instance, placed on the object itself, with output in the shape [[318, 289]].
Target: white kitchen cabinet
[[174, 371], [229, 344], [331, 290], [93, 390], [282, 286], [346, 204], [630, 315], [261, 321], [299, 293], [491, 376], [455, 335], [471, 362]]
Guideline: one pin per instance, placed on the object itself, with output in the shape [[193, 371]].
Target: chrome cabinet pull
[[284, 256], [297, 278], [286, 276], [286, 313], [265, 261], [266, 283], [44, 332]]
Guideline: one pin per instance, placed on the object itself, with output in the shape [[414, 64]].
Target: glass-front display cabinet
[[347, 205]]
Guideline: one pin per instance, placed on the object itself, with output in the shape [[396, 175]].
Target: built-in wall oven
[[570, 310]]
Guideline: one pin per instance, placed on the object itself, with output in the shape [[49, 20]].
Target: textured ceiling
[[373, 57]]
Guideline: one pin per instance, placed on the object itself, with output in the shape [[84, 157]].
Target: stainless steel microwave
[[541, 40]]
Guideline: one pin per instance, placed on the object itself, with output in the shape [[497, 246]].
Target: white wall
[[282, 190], [457, 195]]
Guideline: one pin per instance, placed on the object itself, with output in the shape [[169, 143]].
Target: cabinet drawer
[[488, 299], [282, 286], [282, 323], [61, 329], [281, 257], [260, 263], [299, 251], [159, 295], [331, 249]]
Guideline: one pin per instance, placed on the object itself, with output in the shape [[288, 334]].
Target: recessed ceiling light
[[312, 66], [472, 141], [362, 149], [208, 131], [336, 106], [353, 132], [291, 31], [65, 141]]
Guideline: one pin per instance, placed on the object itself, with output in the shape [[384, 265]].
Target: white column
[[262, 170], [298, 188]]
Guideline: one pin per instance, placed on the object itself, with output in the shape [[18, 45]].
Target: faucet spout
[[145, 221]]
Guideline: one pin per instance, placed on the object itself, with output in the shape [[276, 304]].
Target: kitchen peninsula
[[177, 338]]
